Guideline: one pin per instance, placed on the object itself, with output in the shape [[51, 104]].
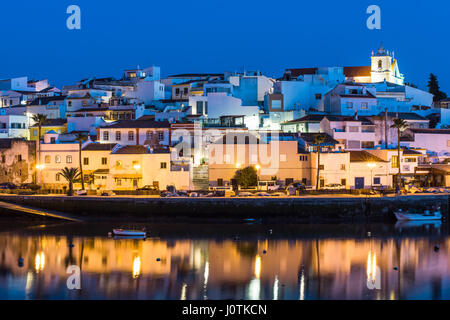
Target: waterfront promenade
[[323, 208]]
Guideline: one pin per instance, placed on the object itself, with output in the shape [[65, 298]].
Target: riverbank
[[308, 209]]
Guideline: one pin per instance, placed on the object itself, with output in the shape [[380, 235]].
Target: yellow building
[[57, 125]]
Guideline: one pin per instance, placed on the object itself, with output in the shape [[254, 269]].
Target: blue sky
[[215, 36]]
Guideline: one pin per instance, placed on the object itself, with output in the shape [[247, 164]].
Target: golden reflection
[[372, 267], [258, 267], [136, 267], [39, 261]]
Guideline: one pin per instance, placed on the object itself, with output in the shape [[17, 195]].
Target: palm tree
[[81, 138], [71, 175], [40, 120], [400, 125], [319, 139]]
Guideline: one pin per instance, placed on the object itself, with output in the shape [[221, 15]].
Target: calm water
[[180, 261]]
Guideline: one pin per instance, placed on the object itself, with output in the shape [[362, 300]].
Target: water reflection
[[330, 267]]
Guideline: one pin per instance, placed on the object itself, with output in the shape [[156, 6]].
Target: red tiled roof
[[351, 72]]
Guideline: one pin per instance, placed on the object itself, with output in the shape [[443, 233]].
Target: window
[[119, 182], [19, 158], [199, 107], [322, 183], [118, 136], [47, 159], [130, 135], [69, 103], [349, 105], [377, 180], [35, 132], [86, 161], [318, 96], [163, 165], [161, 136], [220, 182], [364, 105], [394, 161], [410, 160], [149, 135], [177, 91], [119, 163], [353, 144], [57, 159], [106, 135], [367, 144], [321, 167], [303, 158], [58, 177], [104, 161], [448, 143], [353, 129], [380, 64], [344, 182], [69, 159], [3, 158], [186, 90], [343, 167]]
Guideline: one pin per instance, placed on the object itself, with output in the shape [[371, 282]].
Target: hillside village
[[195, 131]]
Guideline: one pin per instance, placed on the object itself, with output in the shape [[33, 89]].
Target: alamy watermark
[[73, 22], [74, 279], [374, 20]]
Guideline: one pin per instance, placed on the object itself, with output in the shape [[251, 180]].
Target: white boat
[[129, 233], [427, 215]]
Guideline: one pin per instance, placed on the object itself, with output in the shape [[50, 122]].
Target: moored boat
[[129, 233], [427, 215]]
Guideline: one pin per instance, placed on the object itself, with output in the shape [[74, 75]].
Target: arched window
[[380, 64]]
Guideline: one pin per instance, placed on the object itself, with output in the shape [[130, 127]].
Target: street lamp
[[257, 175], [371, 166]]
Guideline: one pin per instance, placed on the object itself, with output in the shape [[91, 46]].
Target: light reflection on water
[[260, 266]]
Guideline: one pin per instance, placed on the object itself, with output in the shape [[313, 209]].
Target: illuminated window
[[47, 159], [57, 159], [69, 159]]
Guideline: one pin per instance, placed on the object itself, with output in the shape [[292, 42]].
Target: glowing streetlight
[[371, 166], [238, 165], [137, 167]]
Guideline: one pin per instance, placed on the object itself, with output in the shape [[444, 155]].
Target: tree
[[40, 120], [400, 125], [433, 88], [81, 138], [71, 175], [319, 139], [246, 177]]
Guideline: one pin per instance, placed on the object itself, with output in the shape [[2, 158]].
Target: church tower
[[385, 67]]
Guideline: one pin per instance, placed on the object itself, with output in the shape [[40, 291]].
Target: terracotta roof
[[99, 147], [310, 139], [307, 118], [351, 72], [431, 131], [364, 156], [132, 124], [132, 150]]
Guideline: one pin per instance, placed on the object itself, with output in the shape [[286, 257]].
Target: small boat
[[129, 233], [427, 215]]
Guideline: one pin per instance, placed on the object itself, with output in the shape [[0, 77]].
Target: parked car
[[81, 193], [108, 194], [297, 186], [8, 185], [334, 186], [148, 188], [245, 194], [263, 194], [268, 185], [30, 186]]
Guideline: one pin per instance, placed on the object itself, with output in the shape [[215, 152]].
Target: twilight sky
[[219, 35]]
